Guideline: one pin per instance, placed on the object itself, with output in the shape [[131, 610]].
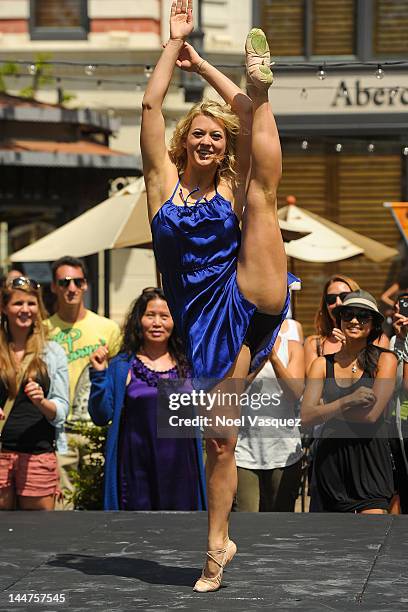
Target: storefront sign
[[356, 95], [340, 94]]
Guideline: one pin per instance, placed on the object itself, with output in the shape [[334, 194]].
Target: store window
[[306, 28], [334, 23], [390, 31], [283, 23], [58, 19]]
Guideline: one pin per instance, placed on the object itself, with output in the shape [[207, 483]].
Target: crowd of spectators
[[348, 382]]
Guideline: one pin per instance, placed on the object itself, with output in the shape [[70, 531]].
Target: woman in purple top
[[152, 473]]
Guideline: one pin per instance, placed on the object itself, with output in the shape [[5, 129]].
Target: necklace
[[354, 368], [151, 363], [203, 197]]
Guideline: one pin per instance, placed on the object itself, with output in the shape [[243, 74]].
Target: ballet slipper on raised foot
[[258, 60], [221, 557]]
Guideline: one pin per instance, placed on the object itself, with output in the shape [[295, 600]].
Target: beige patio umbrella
[[327, 241], [118, 222]]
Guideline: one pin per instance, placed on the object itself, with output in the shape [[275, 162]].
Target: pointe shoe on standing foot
[[258, 60], [221, 557]]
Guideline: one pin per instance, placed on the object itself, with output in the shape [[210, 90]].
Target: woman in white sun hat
[[348, 392]]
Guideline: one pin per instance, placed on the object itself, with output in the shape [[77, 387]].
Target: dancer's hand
[[188, 58], [181, 19]]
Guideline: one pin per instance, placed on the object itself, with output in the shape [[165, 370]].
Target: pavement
[[120, 561]]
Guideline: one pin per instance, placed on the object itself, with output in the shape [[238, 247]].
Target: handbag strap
[[19, 379]]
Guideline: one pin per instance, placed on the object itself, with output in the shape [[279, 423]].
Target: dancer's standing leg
[[221, 477]]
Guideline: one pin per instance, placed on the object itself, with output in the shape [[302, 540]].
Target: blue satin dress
[[196, 249]]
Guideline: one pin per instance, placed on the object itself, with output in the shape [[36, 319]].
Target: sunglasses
[[23, 282], [79, 282], [362, 316], [331, 298]]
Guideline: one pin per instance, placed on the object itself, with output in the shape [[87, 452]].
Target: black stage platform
[[149, 561]]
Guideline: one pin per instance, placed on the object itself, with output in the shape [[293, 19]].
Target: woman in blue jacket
[[142, 471]]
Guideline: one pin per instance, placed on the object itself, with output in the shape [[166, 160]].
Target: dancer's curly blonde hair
[[220, 112]]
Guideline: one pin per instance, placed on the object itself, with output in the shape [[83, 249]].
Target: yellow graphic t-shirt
[[79, 340]]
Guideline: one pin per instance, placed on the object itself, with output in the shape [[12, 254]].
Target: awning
[[75, 154]]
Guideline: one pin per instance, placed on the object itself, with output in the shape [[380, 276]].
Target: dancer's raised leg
[[262, 266]]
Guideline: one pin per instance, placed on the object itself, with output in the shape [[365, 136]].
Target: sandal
[[206, 584]]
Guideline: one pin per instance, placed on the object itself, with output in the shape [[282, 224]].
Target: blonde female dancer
[[227, 290]]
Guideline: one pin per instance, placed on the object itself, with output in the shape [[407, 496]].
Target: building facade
[[344, 135], [343, 125]]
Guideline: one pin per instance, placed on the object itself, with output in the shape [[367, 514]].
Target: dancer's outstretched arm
[[233, 95], [157, 167]]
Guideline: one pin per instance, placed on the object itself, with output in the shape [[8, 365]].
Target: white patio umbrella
[[327, 241]]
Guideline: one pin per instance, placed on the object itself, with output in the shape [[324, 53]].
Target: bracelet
[[199, 67]]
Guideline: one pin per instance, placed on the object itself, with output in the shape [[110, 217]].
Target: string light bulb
[[321, 73], [371, 147], [32, 69], [405, 151], [148, 71], [304, 145], [90, 69], [339, 147], [379, 73]]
